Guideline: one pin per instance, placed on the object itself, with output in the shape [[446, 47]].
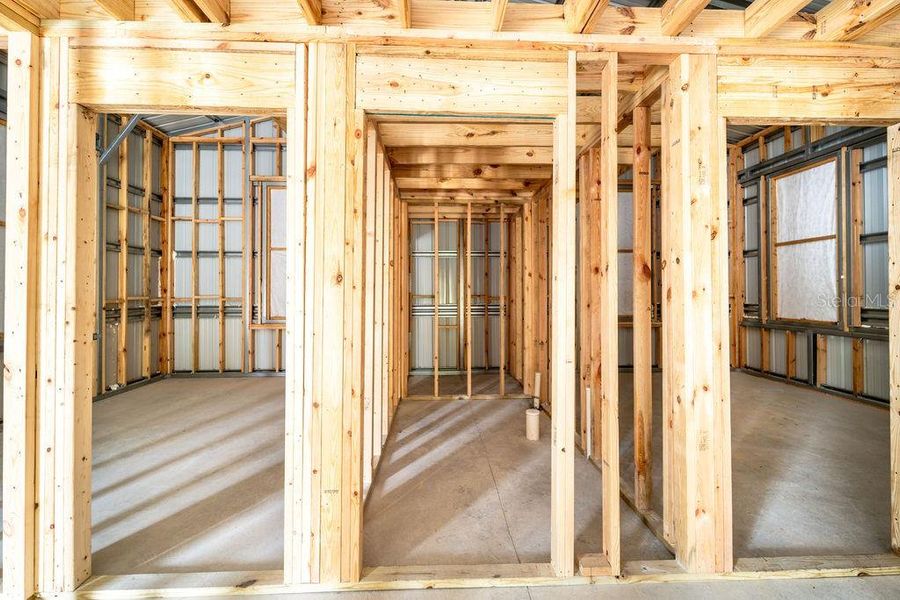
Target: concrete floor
[[860, 588], [188, 477], [460, 484], [810, 470], [457, 384]]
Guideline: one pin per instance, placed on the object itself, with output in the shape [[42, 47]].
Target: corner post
[[695, 257]]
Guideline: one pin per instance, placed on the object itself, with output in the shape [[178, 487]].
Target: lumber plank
[[582, 16], [312, 11], [764, 16], [642, 312], [562, 352], [846, 20], [698, 512], [893, 145], [676, 15], [123, 10], [608, 388], [20, 315], [397, 83], [219, 81], [498, 13], [296, 349], [785, 89]]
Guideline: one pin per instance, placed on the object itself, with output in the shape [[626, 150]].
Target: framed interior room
[[347, 211]]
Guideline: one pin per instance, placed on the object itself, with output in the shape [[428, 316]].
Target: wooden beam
[[753, 89], [765, 16], [68, 199], [220, 81], [122, 10], [582, 16], [695, 319], [608, 388], [467, 134], [642, 312], [312, 10], [196, 11], [562, 352], [893, 165], [20, 315], [26, 15], [846, 20], [297, 350], [465, 183], [460, 85], [405, 12], [498, 13], [478, 171], [676, 15], [502, 155]]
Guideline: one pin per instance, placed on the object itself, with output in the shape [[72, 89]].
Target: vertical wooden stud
[[562, 503], [642, 312]]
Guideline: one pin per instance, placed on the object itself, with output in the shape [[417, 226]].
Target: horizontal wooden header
[[158, 80], [779, 89], [458, 86]]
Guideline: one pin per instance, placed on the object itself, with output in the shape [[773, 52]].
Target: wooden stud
[[435, 321], [695, 276], [503, 324], [468, 345], [562, 502], [642, 312], [608, 388], [21, 315], [893, 190]]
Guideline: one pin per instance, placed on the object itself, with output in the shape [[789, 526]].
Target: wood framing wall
[[847, 354], [325, 88]]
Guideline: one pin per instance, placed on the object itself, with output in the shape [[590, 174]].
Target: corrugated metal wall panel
[[840, 362], [420, 335], [477, 341], [421, 237], [626, 283], [264, 160], [233, 178], [753, 347], [184, 168], [234, 343], [209, 171], [208, 343], [801, 354], [877, 369], [184, 344], [154, 345], [626, 347], [778, 352], [135, 343], [264, 351], [110, 351], [112, 275]]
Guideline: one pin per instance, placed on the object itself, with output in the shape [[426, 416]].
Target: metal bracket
[[114, 145]]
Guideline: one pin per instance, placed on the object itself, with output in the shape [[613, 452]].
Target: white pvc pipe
[[532, 424], [537, 389], [587, 414]]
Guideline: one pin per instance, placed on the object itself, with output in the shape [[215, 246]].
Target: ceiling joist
[[765, 16], [498, 14], [582, 15], [677, 15], [198, 11], [847, 20], [121, 10], [312, 10]]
